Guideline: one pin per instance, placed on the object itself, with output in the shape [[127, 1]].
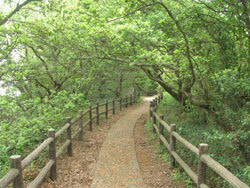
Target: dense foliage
[[56, 56], [197, 128]]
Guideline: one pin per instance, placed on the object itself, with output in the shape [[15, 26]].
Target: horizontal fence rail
[[93, 114], [204, 160]]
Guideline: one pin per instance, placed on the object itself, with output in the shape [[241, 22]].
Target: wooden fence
[[204, 160], [93, 113]]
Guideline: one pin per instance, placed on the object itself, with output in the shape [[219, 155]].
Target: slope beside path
[[117, 165]]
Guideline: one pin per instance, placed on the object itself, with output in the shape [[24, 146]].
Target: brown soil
[[154, 171], [77, 171]]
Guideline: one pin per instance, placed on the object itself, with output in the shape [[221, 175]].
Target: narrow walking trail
[[109, 156], [117, 164]]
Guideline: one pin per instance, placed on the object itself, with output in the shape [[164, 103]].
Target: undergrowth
[[196, 127]]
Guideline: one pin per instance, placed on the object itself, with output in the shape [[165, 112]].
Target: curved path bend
[[117, 164]]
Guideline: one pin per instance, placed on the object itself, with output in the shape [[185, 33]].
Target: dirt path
[[107, 156], [155, 172], [117, 165], [77, 171]]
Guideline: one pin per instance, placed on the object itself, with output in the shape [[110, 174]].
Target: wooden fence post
[[172, 145], [154, 120], [161, 129], [131, 99], [90, 118], [97, 113], [16, 163], [203, 149], [80, 136], [106, 109], [150, 109], [126, 101], [113, 104], [69, 137], [121, 104], [52, 154]]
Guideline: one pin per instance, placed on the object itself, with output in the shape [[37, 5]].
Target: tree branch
[[18, 7], [44, 63]]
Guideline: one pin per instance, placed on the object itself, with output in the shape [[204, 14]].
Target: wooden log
[[74, 120], [223, 172], [161, 129], [61, 131], [186, 143], [62, 148], [34, 154], [172, 145], [69, 137], [113, 106], [101, 113], [203, 186], [80, 135], [165, 142], [154, 122], [8, 178], [201, 165], [52, 154], [162, 122], [165, 125], [184, 165], [150, 111], [156, 104], [16, 164], [90, 119], [106, 109], [85, 112], [153, 102], [156, 129], [97, 114], [76, 133], [38, 180], [85, 124]]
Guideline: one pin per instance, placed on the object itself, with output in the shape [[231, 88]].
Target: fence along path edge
[[17, 165], [204, 160]]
